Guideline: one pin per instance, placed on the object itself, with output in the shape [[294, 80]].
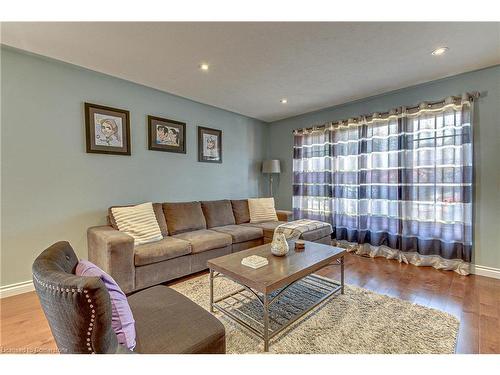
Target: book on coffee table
[[255, 261]]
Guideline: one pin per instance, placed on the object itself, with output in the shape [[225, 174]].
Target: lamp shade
[[271, 166]]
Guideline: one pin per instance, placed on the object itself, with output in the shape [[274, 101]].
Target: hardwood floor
[[474, 300], [23, 327]]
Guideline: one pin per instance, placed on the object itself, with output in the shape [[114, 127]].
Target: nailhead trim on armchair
[[89, 301]]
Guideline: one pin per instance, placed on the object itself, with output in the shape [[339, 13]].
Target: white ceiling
[[254, 65]]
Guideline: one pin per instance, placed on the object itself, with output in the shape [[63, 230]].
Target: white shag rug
[[358, 322]]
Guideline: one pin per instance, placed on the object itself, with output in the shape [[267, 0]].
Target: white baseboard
[[17, 288], [485, 271]]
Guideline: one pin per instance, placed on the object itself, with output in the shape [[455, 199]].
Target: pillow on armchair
[[122, 320], [262, 210]]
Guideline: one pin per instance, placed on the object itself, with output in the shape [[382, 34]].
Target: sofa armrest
[[113, 252], [284, 215]]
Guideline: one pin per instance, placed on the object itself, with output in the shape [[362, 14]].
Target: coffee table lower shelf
[[267, 315]]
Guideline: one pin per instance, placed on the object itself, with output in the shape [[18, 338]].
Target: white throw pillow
[[139, 222], [262, 210]]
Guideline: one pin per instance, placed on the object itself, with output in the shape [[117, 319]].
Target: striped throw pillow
[[262, 210], [139, 222]]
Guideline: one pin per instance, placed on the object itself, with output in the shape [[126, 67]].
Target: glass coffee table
[[274, 296]]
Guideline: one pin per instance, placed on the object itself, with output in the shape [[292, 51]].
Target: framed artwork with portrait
[[166, 135], [209, 145], [107, 130]]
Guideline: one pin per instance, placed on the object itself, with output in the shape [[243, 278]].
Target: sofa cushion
[[316, 234], [218, 213], [241, 233], [240, 211], [262, 210], [158, 251], [205, 239], [268, 227], [168, 322], [138, 222], [157, 208], [184, 216]]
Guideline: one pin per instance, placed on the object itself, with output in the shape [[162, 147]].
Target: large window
[[401, 180]]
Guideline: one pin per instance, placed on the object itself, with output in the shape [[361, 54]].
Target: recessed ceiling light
[[284, 101], [440, 51], [204, 66]]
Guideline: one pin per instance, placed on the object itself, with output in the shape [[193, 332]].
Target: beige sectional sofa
[[193, 233]]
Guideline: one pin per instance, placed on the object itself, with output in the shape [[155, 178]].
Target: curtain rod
[[474, 95]]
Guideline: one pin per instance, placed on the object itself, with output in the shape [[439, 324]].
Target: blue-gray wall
[[486, 142], [52, 190]]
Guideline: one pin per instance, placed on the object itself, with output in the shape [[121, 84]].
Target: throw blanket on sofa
[[294, 229]]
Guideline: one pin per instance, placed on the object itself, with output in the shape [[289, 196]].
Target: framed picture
[[166, 135], [209, 145], [107, 130]]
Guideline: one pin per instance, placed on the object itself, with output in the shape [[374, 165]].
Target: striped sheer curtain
[[397, 184]]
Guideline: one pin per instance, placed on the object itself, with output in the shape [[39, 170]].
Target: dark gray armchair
[[78, 310]]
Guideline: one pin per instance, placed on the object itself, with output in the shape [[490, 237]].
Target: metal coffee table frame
[[331, 287]]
